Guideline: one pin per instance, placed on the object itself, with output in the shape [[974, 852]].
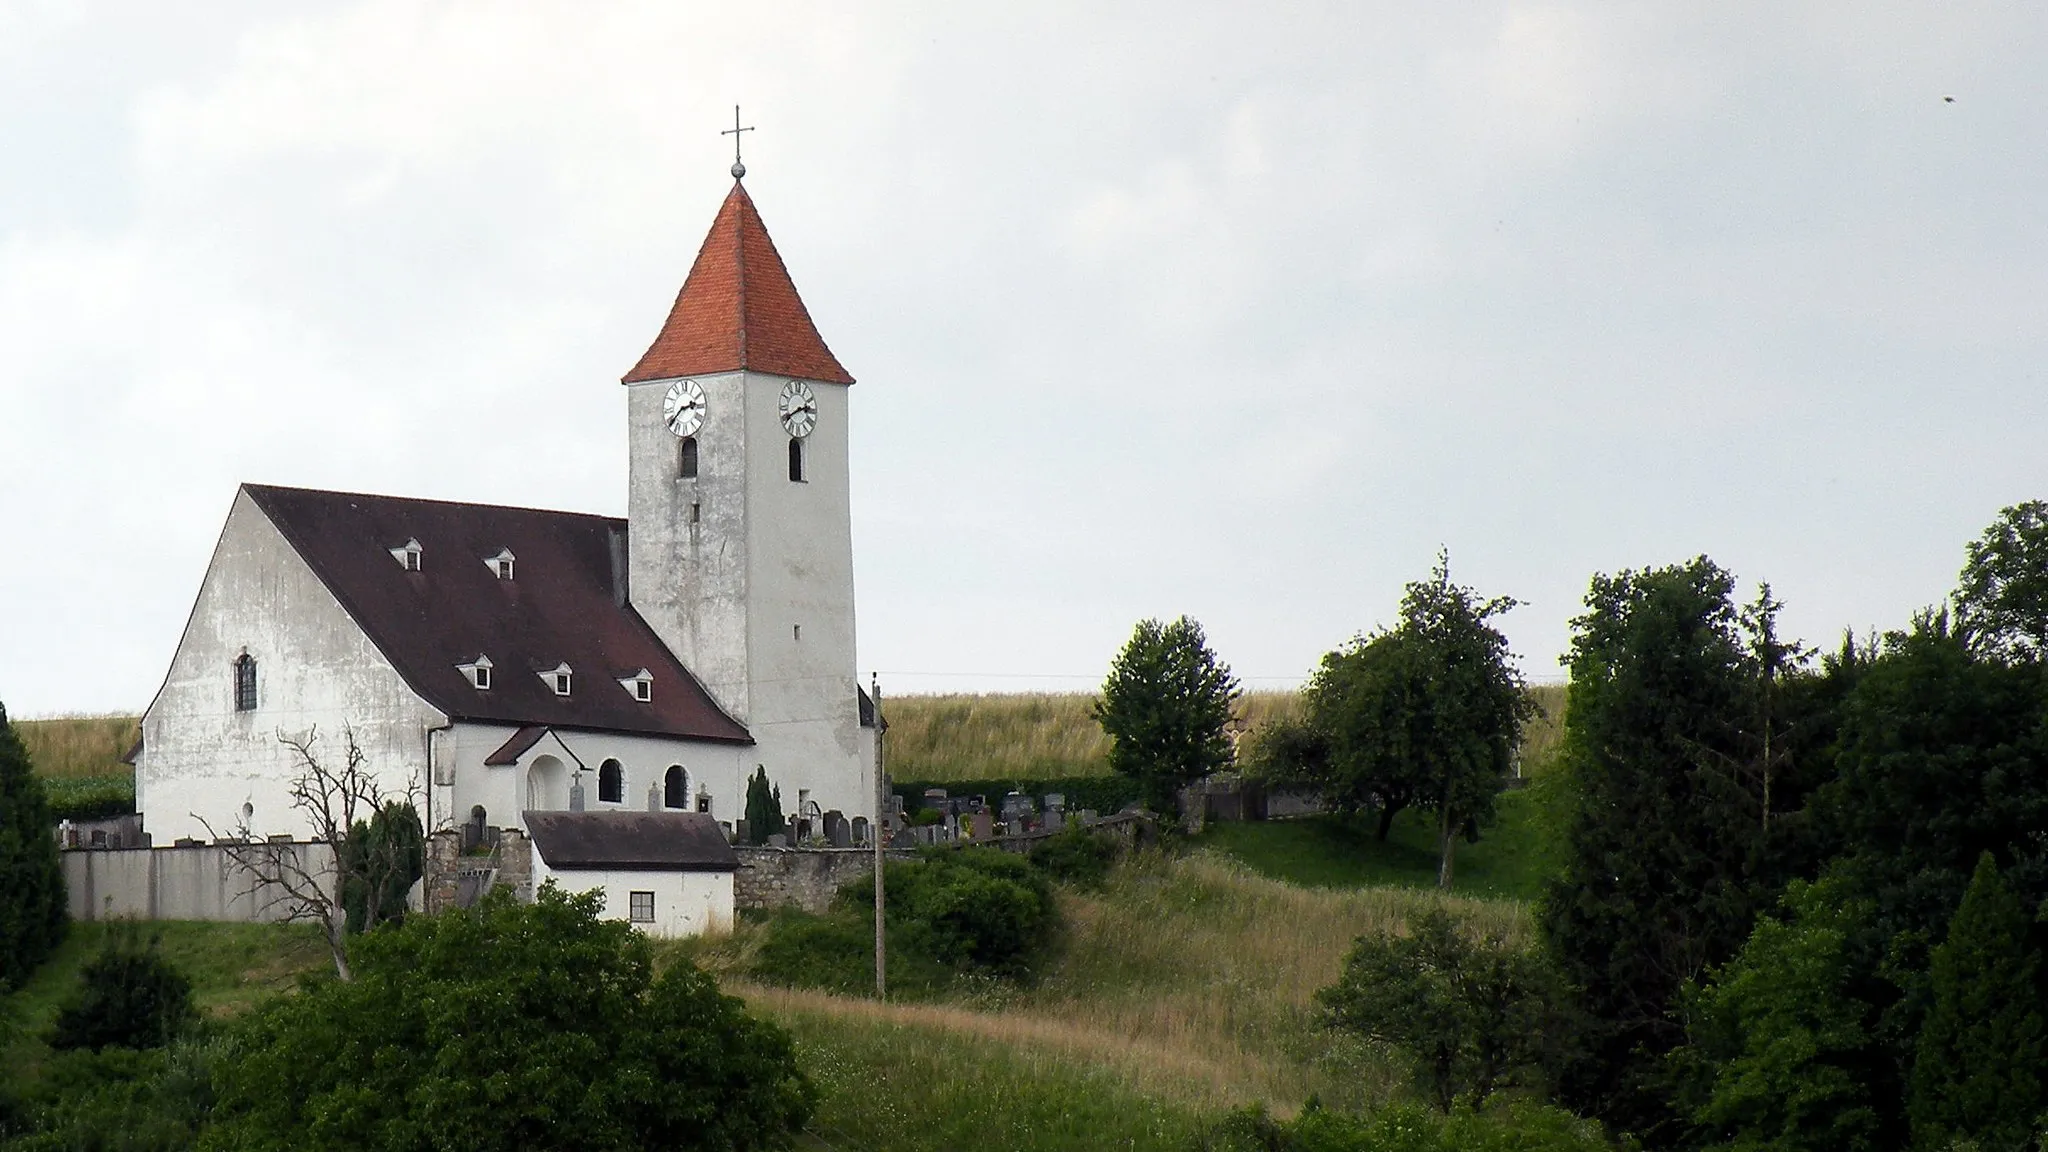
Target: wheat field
[[72, 747]]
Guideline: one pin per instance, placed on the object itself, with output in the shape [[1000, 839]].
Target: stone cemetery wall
[[187, 882], [805, 877], [459, 871]]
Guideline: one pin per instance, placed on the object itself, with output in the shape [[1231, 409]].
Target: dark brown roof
[[512, 749], [559, 608], [738, 309], [648, 841]]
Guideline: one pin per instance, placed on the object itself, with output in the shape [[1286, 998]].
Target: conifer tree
[[32, 917], [764, 807], [1979, 1067]]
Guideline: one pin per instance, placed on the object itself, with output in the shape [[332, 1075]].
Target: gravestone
[[860, 830], [576, 793], [983, 826], [837, 833], [1055, 800], [739, 831], [778, 840], [1054, 821], [903, 839], [935, 798], [654, 797]]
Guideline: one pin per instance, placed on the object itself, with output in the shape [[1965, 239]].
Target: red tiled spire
[[738, 309]]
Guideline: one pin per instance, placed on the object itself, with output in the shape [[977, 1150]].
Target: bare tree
[[296, 882]]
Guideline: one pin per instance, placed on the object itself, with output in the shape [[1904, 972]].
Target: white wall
[[501, 790], [728, 585], [314, 667], [685, 903], [192, 883]]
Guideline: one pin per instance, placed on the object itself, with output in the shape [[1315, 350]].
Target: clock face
[[799, 409], [683, 408]]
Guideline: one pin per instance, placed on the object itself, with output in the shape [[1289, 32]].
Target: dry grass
[[1029, 736], [1190, 978], [67, 747], [1543, 735]]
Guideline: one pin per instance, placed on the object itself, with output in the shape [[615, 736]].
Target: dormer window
[[501, 564], [478, 673], [407, 555], [558, 678], [640, 684]]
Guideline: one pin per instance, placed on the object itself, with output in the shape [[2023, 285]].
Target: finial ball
[[738, 170]]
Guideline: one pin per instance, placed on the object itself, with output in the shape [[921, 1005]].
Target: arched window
[[688, 469], [675, 788], [611, 783], [796, 460], [245, 683]]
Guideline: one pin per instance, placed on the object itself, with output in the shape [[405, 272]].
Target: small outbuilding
[[667, 873]]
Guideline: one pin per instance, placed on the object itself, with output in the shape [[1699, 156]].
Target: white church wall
[[804, 713], [687, 560], [685, 903], [501, 790], [314, 669]]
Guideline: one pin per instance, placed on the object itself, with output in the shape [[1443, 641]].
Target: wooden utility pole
[[878, 832]]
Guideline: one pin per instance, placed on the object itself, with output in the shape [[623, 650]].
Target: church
[[517, 667]]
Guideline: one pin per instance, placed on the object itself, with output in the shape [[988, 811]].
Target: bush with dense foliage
[[1076, 857], [382, 859], [129, 996], [120, 1100], [952, 913], [1470, 1013], [32, 916], [1522, 1127], [510, 1026]]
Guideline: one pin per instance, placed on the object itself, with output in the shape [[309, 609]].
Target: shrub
[[82, 798], [382, 857], [1076, 856], [1521, 1127], [953, 913], [510, 1026], [130, 997]]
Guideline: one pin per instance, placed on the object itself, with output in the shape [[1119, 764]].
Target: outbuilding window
[[640, 907], [611, 782], [245, 683]]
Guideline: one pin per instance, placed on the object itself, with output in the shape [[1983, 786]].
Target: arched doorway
[[547, 785]]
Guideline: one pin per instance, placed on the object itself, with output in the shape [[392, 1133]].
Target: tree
[[32, 899], [510, 1026], [764, 807], [1981, 1065], [1469, 1013], [129, 997], [1428, 713], [381, 860], [336, 800], [2002, 604], [1666, 861], [1164, 707], [1781, 1050]]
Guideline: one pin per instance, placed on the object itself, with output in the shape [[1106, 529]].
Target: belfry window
[[796, 461], [245, 683], [611, 782], [675, 788], [688, 468]]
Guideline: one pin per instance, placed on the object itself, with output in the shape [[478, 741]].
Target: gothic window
[[688, 470], [796, 461], [641, 907], [611, 783], [245, 683], [675, 788]]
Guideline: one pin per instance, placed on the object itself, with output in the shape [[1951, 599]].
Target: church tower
[[740, 552]]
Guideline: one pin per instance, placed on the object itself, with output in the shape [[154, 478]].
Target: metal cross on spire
[[738, 169]]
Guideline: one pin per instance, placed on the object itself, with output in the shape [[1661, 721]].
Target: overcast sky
[[1228, 309]]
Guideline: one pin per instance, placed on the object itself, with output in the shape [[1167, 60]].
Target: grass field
[[74, 747], [1510, 861]]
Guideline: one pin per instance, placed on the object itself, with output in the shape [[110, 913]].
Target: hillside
[[1035, 736]]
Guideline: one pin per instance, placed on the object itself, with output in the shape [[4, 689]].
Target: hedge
[[80, 798]]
